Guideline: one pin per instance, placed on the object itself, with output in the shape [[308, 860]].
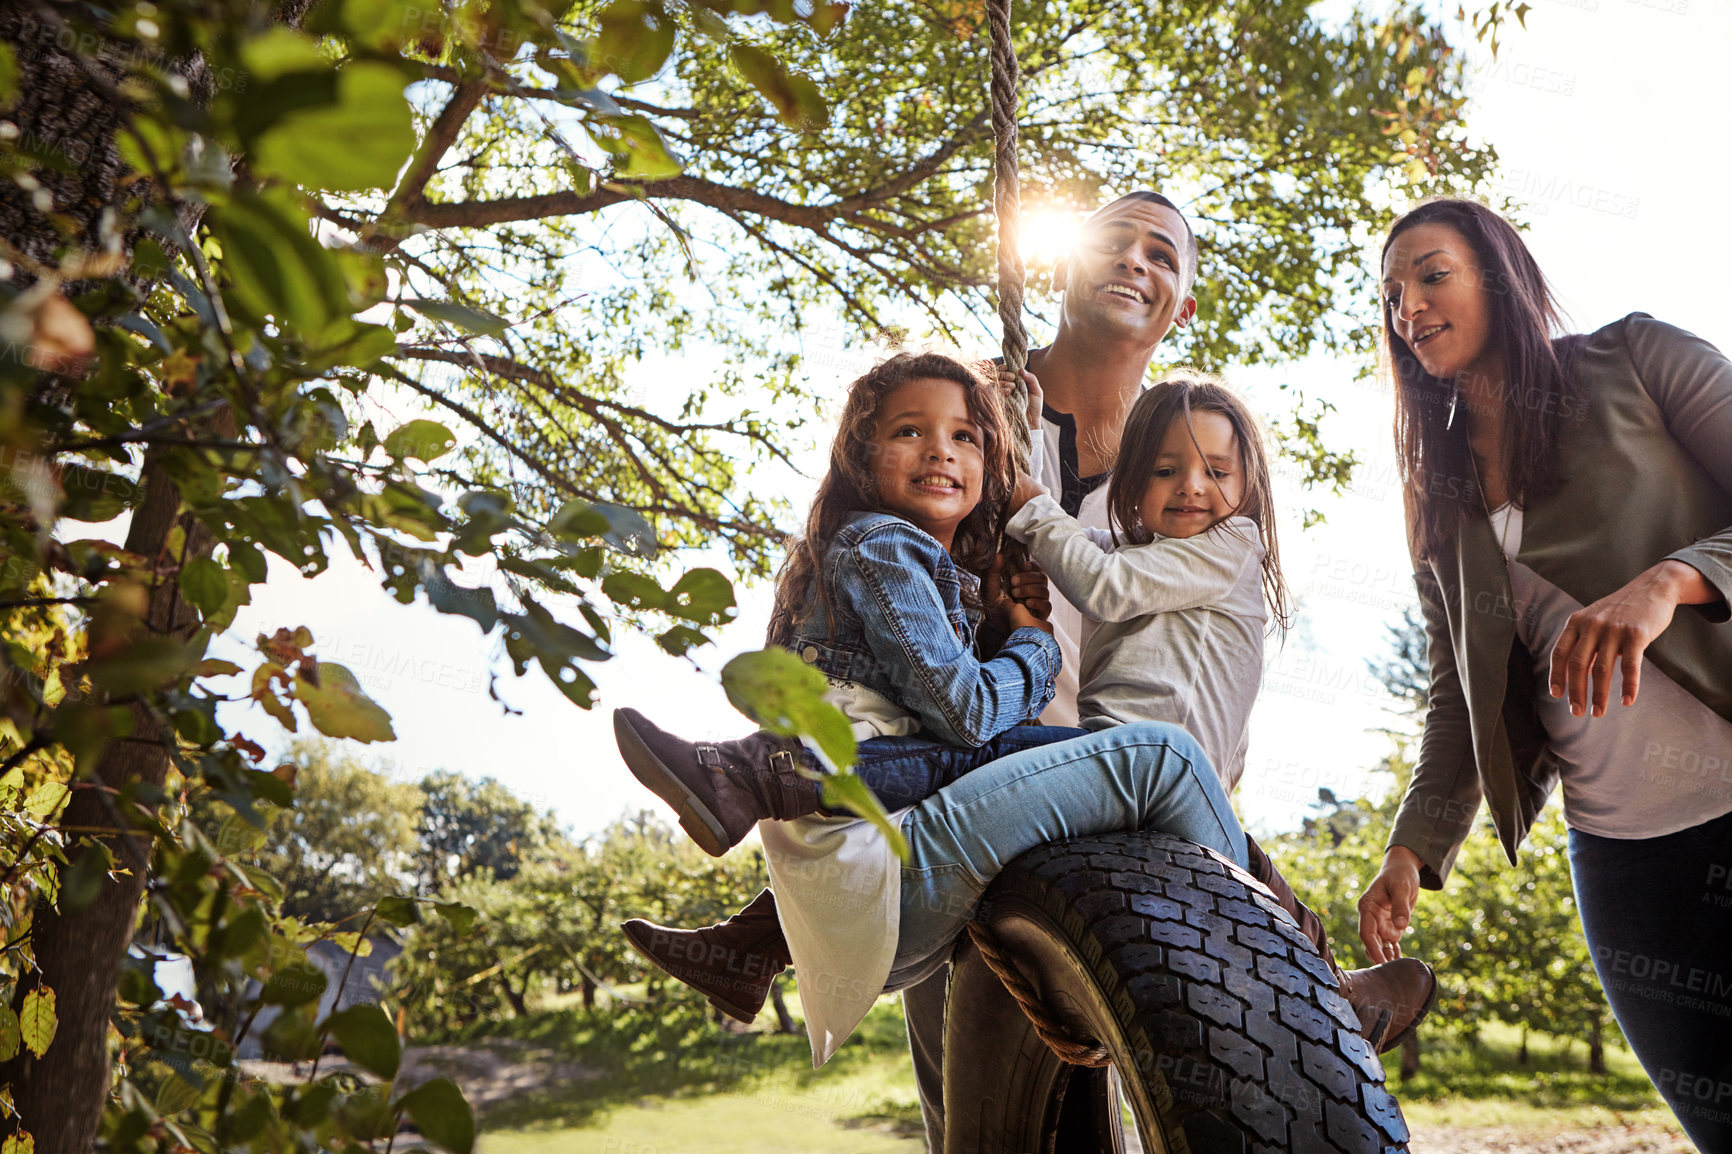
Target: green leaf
[[8, 77], [702, 595], [578, 518], [339, 708], [368, 1038], [796, 99], [148, 663], [94, 494], [276, 266], [206, 584], [634, 590], [294, 986], [399, 911], [634, 39], [82, 882], [358, 142], [10, 1036], [680, 640], [176, 1094], [279, 52], [636, 147], [45, 799], [36, 1021], [462, 316], [423, 440], [785, 695], [849, 791], [461, 917], [442, 1113]]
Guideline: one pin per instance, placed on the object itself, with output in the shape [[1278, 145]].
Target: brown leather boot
[[722, 789], [732, 963], [1391, 999]]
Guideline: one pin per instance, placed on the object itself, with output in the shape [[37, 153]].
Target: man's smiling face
[[1129, 274]]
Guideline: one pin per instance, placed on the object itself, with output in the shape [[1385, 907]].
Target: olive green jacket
[[1646, 463]]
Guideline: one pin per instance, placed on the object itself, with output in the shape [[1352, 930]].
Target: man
[[1127, 284]]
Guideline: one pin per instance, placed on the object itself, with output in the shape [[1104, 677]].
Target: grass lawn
[[678, 1083], [1484, 1083]]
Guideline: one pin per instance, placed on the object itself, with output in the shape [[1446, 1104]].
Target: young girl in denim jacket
[[882, 596]]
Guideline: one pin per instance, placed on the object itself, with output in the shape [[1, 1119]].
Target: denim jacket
[[897, 625]]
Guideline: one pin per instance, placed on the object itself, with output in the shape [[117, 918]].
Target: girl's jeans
[[1657, 913], [1147, 775], [905, 771]]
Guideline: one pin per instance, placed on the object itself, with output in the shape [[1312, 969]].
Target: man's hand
[[1386, 907], [1616, 630], [1021, 618], [1007, 382], [1029, 589]]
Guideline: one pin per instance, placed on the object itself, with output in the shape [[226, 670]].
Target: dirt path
[[1510, 1140], [487, 1072]]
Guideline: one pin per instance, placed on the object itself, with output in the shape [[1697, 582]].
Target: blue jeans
[[1148, 775], [1657, 913], [905, 771]]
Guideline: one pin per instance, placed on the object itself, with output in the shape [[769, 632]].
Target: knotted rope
[[1057, 1038], [1007, 207]]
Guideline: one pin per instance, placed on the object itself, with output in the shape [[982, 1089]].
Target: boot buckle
[[710, 757]]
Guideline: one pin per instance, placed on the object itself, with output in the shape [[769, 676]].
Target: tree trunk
[[1523, 1056], [588, 992], [1410, 1057], [1597, 1044], [784, 1020], [79, 952]]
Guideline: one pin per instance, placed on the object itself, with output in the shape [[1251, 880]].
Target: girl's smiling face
[[1436, 295], [927, 460], [1199, 477]]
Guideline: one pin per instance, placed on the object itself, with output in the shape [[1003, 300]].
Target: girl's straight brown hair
[[1439, 480], [848, 485], [1172, 400]]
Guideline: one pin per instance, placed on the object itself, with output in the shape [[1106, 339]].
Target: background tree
[[467, 825], [349, 838]]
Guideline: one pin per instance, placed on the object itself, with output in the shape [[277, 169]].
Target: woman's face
[[927, 458], [1438, 301]]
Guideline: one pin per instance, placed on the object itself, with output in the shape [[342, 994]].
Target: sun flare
[[1047, 234]]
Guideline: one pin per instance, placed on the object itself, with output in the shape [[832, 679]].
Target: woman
[[1564, 498]]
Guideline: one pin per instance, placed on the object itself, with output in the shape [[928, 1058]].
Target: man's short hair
[[1189, 254]]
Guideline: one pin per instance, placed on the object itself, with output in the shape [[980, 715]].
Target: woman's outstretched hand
[[1386, 907], [1614, 632]]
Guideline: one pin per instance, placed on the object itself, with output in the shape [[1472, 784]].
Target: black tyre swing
[[1134, 991]]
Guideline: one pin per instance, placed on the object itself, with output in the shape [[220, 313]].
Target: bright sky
[[1608, 118]]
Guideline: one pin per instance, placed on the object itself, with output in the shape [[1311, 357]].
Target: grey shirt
[[1179, 633]]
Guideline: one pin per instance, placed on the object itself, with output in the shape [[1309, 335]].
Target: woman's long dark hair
[[848, 486], [1169, 401], [1437, 471]]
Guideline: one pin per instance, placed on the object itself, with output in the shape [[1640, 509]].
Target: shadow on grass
[[674, 1050], [1555, 1076]]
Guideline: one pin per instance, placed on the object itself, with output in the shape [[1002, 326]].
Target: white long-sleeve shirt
[[1177, 630]]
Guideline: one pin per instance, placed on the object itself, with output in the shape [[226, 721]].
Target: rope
[[1007, 207], [1056, 1037]]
